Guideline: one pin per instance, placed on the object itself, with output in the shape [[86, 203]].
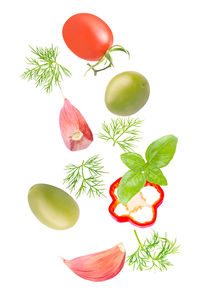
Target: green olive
[[52, 206], [127, 93]]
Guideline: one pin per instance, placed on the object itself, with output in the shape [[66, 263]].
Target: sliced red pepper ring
[[136, 203]]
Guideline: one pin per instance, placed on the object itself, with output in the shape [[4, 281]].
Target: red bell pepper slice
[[128, 217]]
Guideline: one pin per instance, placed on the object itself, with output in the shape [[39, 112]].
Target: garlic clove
[[74, 129], [99, 266]]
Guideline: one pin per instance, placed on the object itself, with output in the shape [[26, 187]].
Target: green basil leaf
[[161, 151], [131, 183], [154, 175], [133, 161]]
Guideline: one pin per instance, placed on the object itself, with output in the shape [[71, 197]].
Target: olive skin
[[127, 93], [52, 206]]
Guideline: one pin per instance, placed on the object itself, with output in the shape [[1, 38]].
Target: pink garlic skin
[[72, 121], [99, 266]]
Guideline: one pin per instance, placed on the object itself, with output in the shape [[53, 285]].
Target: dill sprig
[[86, 178], [44, 68], [123, 132], [153, 253]]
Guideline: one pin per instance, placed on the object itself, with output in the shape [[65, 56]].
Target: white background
[[163, 38]]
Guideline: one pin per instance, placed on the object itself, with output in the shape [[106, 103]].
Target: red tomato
[[87, 36]]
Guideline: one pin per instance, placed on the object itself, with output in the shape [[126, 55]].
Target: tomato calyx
[[138, 203], [107, 60]]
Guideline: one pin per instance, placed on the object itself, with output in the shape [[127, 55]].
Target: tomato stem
[[107, 59], [99, 70]]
